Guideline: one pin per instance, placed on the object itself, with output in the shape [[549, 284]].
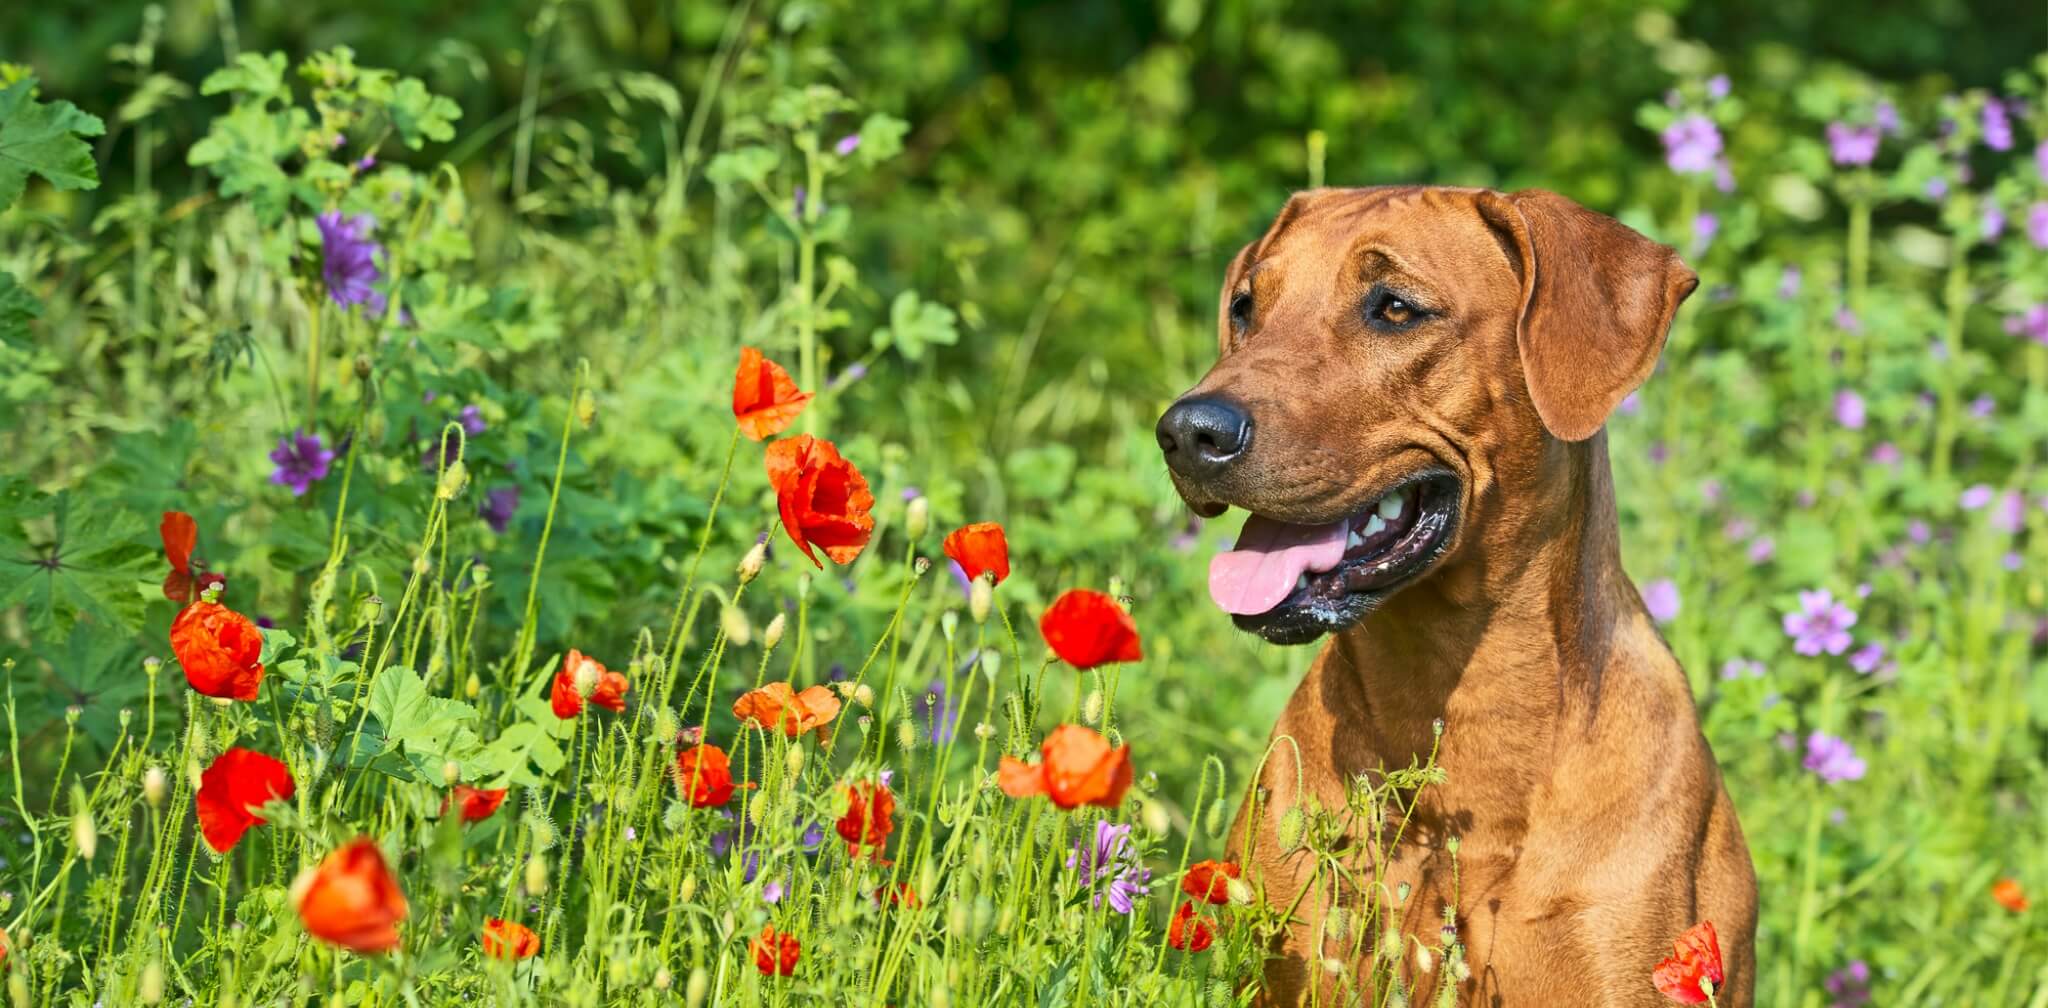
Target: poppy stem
[[679, 622]]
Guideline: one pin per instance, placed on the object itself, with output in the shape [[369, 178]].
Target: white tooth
[[1354, 539], [1390, 506], [1376, 524]]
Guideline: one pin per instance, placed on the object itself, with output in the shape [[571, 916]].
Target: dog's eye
[[1241, 311], [1385, 309]]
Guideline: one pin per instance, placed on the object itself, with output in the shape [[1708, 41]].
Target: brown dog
[[1410, 403]]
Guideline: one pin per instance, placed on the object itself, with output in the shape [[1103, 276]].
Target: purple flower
[[1997, 126], [1866, 659], [1762, 549], [1738, 668], [2037, 225], [1983, 406], [1691, 144], [302, 460], [1724, 177], [1788, 282], [1849, 987], [1704, 226], [853, 373], [2041, 160], [2012, 561], [1886, 116], [2009, 512], [960, 578], [1847, 321], [1832, 759], [2032, 323], [1661, 598], [1717, 87], [1821, 624], [472, 419], [813, 837], [1738, 529], [1994, 221], [1975, 497], [1110, 856], [1849, 410], [847, 144], [1885, 454], [1852, 146], [1937, 188], [1920, 532], [772, 891], [499, 505], [1631, 404], [349, 260]]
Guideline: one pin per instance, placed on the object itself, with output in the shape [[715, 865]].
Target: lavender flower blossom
[[1110, 856], [302, 460], [1849, 409], [1761, 550], [847, 144], [472, 419], [1975, 497], [1886, 116], [1832, 759], [1820, 625], [1852, 146], [1691, 144]]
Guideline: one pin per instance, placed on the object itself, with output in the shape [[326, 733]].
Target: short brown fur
[[1592, 820]]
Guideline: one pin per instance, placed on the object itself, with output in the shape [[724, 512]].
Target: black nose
[[1204, 435]]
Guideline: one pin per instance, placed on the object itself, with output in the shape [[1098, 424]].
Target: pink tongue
[[1270, 556]]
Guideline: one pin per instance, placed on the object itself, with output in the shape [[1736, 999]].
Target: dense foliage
[[438, 360]]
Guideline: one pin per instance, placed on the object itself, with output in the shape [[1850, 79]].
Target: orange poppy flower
[[350, 899], [609, 694], [2010, 895], [1189, 932], [869, 818], [775, 953], [477, 804], [901, 894], [1087, 628], [778, 705], [219, 650], [1695, 960], [505, 939], [239, 780], [823, 499], [764, 398], [180, 533], [704, 776], [978, 548], [1209, 881], [1077, 766]]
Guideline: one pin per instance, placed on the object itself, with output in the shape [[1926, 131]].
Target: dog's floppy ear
[[1597, 302]]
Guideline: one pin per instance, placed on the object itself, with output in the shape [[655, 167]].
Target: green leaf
[[18, 308], [426, 728], [881, 138], [38, 138], [914, 324], [245, 150], [421, 115], [257, 74], [748, 165]]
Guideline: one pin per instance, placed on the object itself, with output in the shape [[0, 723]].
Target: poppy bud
[[192, 774], [1333, 966], [1155, 817], [584, 679], [698, 986], [665, 725], [152, 665], [154, 783], [949, 623], [1091, 708], [984, 731], [803, 586], [17, 988], [453, 479], [663, 979], [1238, 891], [473, 686], [688, 891], [793, 763], [863, 694], [374, 426], [420, 564], [451, 772], [991, 663], [981, 597], [1424, 959], [1337, 922], [586, 409], [737, 630], [150, 988], [536, 875], [1390, 944], [83, 833], [773, 635], [917, 518], [906, 734], [750, 565], [1214, 821], [1290, 829]]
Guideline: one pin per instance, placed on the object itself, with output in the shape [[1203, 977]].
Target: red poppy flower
[[1695, 961], [238, 780], [1189, 932], [1209, 881], [901, 894], [610, 692], [505, 939], [1087, 628], [779, 705], [3, 947], [775, 953], [1077, 766], [980, 547], [219, 650], [823, 499], [2008, 893], [180, 534], [764, 398], [477, 804], [869, 818], [704, 776], [351, 899]]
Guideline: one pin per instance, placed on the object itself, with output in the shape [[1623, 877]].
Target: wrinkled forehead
[[1428, 232]]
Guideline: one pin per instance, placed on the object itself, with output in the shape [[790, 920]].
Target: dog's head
[[1395, 363]]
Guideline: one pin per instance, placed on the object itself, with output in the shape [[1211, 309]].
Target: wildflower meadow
[[587, 502]]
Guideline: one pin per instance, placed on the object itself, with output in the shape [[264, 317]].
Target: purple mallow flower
[[1975, 497], [1997, 126], [349, 260], [2032, 323], [2009, 512], [1110, 856], [1852, 146], [1867, 658], [1994, 221], [472, 419], [1704, 226], [1849, 409], [1691, 144], [1886, 116], [1832, 759], [1742, 668], [1849, 987], [1660, 597], [2037, 225], [847, 144], [1821, 624], [1885, 454], [1717, 87], [1788, 282], [1762, 549], [499, 504], [302, 460]]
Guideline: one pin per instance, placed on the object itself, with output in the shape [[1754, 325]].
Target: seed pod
[[921, 566], [981, 597], [152, 665], [536, 875], [917, 518], [949, 623], [751, 564], [773, 635], [699, 985], [863, 695], [737, 630], [154, 783], [663, 979], [451, 772]]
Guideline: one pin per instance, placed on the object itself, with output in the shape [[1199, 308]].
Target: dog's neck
[[1509, 647]]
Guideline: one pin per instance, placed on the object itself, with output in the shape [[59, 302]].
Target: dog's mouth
[[1293, 583]]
